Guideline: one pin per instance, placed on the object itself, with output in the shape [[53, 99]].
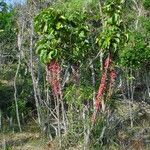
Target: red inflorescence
[[107, 63], [101, 91], [53, 76], [102, 86], [113, 76]]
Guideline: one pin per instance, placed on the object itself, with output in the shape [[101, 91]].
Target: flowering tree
[[111, 40]]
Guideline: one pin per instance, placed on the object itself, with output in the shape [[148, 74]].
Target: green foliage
[[113, 35], [24, 90], [67, 32], [145, 21], [6, 93], [146, 4], [6, 17], [7, 29], [78, 95], [137, 53], [70, 7], [21, 106], [61, 37]]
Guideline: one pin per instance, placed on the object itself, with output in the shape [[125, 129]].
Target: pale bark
[[15, 80], [32, 73]]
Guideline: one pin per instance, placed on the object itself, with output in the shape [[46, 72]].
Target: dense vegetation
[[78, 71]]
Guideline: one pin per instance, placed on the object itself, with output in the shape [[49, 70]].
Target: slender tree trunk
[[15, 80], [0, 120], [93, 84], [87, 129], [147, 75], [138, 8], [32, 74], [58, 120], [129, 84]]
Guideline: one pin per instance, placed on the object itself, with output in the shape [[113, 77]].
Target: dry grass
[[21, 141], [136, 137]]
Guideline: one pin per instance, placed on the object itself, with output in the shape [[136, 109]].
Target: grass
[[119, 133]]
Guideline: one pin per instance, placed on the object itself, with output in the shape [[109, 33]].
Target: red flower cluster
[[113, 76], [102, 86], [53, 76], [107, 63]]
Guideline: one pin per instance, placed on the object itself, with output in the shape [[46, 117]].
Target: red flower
[[113, 75], [102, 86], [53, 76]]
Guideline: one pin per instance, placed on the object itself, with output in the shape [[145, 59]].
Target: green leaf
[[59, 25], [39, 48], [52, 54], [81, 35], [50, 57], [127, 36], [115, 47], [109, 20], [97, 39], [62, 17], [43, 56], [116, 17], [117, 40], [45, 27]]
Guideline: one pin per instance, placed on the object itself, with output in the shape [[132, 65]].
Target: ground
[[134, 117]]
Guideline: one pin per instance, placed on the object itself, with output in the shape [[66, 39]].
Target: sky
[[12, 2]]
